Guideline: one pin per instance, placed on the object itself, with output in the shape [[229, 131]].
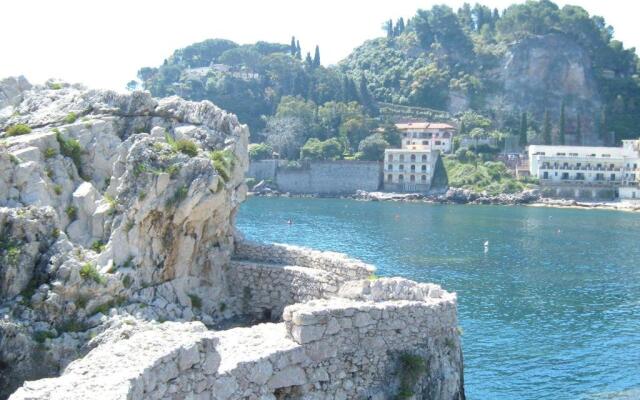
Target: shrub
[[41, 336], [127, 281], [187, 147], [70, 148], [89, 271], [411, 368], [72, 213], [178, 196], [260, 151], [57, 189], [113, 204], [55, 86], [223, 163], [70, 118], [98, 246], [315, 149], [173, 170], [372, 147], [196, 301], [50, 152], [17, 130], [81, 302]]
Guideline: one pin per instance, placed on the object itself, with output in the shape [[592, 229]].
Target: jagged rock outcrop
[[108, 200]]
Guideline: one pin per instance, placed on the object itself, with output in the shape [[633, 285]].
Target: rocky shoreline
[[460, 196]]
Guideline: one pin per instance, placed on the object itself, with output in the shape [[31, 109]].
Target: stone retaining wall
[[337, 264], [340, 348]]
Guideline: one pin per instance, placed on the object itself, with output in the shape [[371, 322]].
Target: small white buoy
[[486, 246]]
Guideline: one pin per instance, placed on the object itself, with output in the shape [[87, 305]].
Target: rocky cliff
[[108, 200]]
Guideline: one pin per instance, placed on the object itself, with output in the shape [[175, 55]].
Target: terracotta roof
[[424, 125]]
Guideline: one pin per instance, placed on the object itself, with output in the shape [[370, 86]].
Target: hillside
[[530, 58], [477, 67]]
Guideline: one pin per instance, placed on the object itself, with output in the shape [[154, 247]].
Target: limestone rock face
[[537, 73], [112, 200]]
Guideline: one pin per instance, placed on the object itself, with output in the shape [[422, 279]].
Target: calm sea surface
[[551, 311]]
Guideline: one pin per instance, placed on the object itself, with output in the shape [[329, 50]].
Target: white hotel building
[[427, 135], [587, 172]]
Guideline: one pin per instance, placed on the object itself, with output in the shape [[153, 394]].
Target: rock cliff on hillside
[[540, 72], [109, 200]]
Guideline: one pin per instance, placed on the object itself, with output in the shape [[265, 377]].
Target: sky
[[102, 44]]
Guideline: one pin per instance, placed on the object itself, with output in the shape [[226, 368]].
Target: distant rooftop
[[424, 125]]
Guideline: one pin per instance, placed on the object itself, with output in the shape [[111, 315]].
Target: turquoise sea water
[[551, 311]]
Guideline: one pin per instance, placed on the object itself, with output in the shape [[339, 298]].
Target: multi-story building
[[409, 170], [586, 172], [433, 136]]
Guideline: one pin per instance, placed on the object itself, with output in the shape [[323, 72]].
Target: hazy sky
[[103, 43]]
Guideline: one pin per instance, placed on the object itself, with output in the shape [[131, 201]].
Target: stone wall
[[346, 347], [321, 177], [264, 279]]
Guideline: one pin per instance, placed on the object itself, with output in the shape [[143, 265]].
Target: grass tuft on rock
[[18, 129], [412, 367], [90, 272], [70, 118]]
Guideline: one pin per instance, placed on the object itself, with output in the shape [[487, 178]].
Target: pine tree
[[523, 130], [463, 129], [546, 134], [298, 50], [292, 48], [562, 125], [316, 58], [578, 130]]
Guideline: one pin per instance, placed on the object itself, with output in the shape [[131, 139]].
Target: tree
[[132, 85], [399, 28], [298, 51], [260, 151], [561, 134], [388, 27], [578, 130], [546, 133], [316, 57], [391, 134], [523, 130], [293, 48], [308, 62], [372, 147], [315, 149], [285, 136], [366, 99]]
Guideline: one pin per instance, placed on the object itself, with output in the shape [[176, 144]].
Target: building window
[[424, 178], [437, 143], [413, 157], [580, 176], [613, 177], [390, 167], [413, 178], [390, 157], [413, 168], [402, 156], [408, 141], [401, 177], [424, 168], [401, 167], [424, 158], [425, 142], [389, 178], [545, 175], [565, 175]]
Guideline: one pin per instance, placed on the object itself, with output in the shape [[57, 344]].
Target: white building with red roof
[[427, 136]]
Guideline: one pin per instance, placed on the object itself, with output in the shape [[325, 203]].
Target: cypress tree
[[602, 126], [388, 26], [578, 131], [399, 27], [308, 61], [316, 57], [562, 125], [463, 128], [298, 50], [546, 134], [293, 47], [523, 130], [365, 96]]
